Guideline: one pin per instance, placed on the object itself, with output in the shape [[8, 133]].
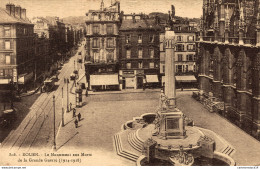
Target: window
[[128, 65], [1, 72], [151, 53], [110, 57], [95, 43], [7, 31], [128, 53], [163, 68], [8, 72], [110, 43], [187, 68], [140, 38], [140, 65], [194, 58], [7, 44], [151, 65], [179, 68], [194, 68], [190, 47], [179, 28], [7, 59], [179, 57], [189, 57], [190, 38], [140, 53], [109, 29], [128, 38], [95, 29], [151, 38], [179, 47], [96, 57], [179, 38]]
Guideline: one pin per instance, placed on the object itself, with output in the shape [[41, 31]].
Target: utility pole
[[54, 136], [67, 95], [62, 121], [35, 74]]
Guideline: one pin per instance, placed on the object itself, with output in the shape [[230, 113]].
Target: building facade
[[229, 70], [53, 29], [185, 55], [102, 46], [139, 52], [16, 46]]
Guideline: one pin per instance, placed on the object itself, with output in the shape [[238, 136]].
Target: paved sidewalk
[[103, 116]]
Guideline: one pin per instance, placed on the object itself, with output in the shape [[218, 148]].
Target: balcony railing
[[231, 40], [250, 41], [208, 38]]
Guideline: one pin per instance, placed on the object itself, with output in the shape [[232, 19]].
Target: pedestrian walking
[[65, 80], [79, 116], [76, 123], [86, 92], [74, 112], [70, 106], [144, 84]]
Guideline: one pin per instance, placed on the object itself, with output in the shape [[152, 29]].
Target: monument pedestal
[[172, 124]]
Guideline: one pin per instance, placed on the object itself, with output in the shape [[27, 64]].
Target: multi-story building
[[54, 30], [229, 70], [139, 52], [185, 55], [42, 57], [16, 46], [101, 47]]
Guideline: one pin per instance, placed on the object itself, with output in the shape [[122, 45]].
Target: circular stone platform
[[193, 136]]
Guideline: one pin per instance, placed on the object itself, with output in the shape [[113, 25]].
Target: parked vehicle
[[48, 85]]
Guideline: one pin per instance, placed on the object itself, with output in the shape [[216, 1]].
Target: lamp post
[[67, 80], [62, 121], [54, 138]]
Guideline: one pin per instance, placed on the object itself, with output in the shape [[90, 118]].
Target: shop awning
[[190, 78], [152, 79], [97, 80]]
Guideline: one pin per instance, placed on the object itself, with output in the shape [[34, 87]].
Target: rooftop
[[140, 24], [6, 18]]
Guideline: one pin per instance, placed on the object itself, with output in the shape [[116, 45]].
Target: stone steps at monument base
[[228, 150], [121, 152], [140, 142], [132, 142]]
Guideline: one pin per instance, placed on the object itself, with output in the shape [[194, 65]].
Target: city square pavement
[[104, 114]]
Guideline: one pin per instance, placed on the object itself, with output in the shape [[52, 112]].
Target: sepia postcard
[[130, 83]]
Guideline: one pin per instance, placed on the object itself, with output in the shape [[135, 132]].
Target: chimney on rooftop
[[8, 8], [12, 9], [18, 11], [23, 13]]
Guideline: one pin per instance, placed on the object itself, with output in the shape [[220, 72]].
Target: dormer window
[[140, 38], [127, 38]]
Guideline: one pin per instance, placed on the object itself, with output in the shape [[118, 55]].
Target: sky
[[65, 8]]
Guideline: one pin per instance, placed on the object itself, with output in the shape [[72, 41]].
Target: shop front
[[104, 82], [136, 79]]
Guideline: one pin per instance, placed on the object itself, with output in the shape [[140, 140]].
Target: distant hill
[[75, 20]]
